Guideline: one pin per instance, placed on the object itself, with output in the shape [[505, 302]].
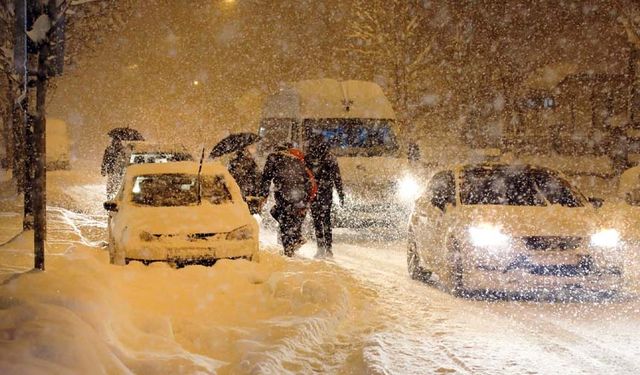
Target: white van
[[359, 123]]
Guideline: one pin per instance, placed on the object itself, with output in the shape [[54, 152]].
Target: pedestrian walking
[[293, 190], [113, 166], [245, 171], [326, 171]]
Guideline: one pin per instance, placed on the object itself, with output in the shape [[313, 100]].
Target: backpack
[[313, 191]]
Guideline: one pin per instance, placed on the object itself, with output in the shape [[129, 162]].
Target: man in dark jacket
[[245, 171], [113, 166], [292, 189], [327, 174]]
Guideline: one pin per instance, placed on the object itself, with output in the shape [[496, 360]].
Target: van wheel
[[416, 272]]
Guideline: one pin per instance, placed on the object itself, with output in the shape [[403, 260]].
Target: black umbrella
[[232, 143], [125, 134]]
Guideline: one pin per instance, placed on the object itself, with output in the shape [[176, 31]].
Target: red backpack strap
[[313, 191]]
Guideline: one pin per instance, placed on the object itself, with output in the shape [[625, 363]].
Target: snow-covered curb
[[85, 316]]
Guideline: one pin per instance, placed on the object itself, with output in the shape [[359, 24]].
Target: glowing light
[[408, 189], [606, 238], [486, 235], [196, 83]]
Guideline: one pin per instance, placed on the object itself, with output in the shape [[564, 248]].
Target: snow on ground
[[429, 331], [83, 315], [357, 314]]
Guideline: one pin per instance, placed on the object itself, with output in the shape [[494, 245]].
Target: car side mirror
[[111, 206], [633, 197], [596, 202]]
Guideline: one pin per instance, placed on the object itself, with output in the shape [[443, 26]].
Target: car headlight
[[240, 234], [606, 238], [485, 235], [408, 188]]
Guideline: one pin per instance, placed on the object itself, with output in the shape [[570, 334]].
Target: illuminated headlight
[[606, 238], [146, 236], [488, 236], [240, 234], [408, 188]]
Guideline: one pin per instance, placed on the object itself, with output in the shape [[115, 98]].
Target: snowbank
[[85, 316]]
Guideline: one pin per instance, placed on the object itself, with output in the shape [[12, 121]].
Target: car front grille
[[583, 267], [552, 243]]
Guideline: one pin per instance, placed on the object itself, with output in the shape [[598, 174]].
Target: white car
[[170, 212], [511, 228]]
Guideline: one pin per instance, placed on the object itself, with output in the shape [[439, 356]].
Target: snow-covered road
[[382, 322], [429, 331]]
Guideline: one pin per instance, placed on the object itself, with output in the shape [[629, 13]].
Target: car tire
[[116, 256], [416, 271], [457, 286]]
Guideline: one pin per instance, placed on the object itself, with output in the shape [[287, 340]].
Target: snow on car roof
[[186, 167], [143, 146], [329, 98]]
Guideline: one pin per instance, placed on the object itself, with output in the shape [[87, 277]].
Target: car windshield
[[158, 157], [171, 190], [355, 137], [516, 186]]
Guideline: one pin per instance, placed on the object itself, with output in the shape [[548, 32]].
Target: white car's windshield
[[170, 190], [355, 137], [515, 186]]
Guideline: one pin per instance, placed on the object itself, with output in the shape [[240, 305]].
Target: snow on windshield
[[169, 190]]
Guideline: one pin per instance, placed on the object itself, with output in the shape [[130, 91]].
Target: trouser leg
[[319, 230], [291, 232], [328, 231]]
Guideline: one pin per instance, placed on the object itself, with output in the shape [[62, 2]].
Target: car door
[[430, 212], [443, 202]]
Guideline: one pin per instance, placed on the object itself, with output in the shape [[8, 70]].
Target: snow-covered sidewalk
[[83, 315]]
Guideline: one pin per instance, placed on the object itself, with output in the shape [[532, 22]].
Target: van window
[[274, 131], [355, 137]]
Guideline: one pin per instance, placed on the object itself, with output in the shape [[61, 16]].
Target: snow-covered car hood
[[204, 218], [372, 170], [533, 221]]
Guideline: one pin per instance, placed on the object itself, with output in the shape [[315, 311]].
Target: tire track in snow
[[530, 344]]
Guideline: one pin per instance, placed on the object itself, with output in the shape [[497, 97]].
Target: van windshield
[[355, 137]]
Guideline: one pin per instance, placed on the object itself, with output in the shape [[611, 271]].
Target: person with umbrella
[[293, 190], [243, 166], [324, 167], [112, 162]]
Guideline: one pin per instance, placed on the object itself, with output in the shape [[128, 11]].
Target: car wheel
[[457, 286], [116, 256], [416, 272]]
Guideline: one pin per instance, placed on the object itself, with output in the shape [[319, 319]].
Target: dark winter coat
[[292, 185], [245, 171], [324, 167], [111, 161]]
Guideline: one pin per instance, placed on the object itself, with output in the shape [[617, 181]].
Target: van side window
[[274, 131], [442, 189]]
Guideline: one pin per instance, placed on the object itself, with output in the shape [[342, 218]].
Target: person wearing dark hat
[[245, 171], [113, 166], [326, 171], [293, 190]]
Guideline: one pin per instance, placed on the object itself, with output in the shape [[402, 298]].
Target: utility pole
[[20, 109]]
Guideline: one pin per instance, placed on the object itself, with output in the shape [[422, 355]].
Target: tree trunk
[[39, 156]]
